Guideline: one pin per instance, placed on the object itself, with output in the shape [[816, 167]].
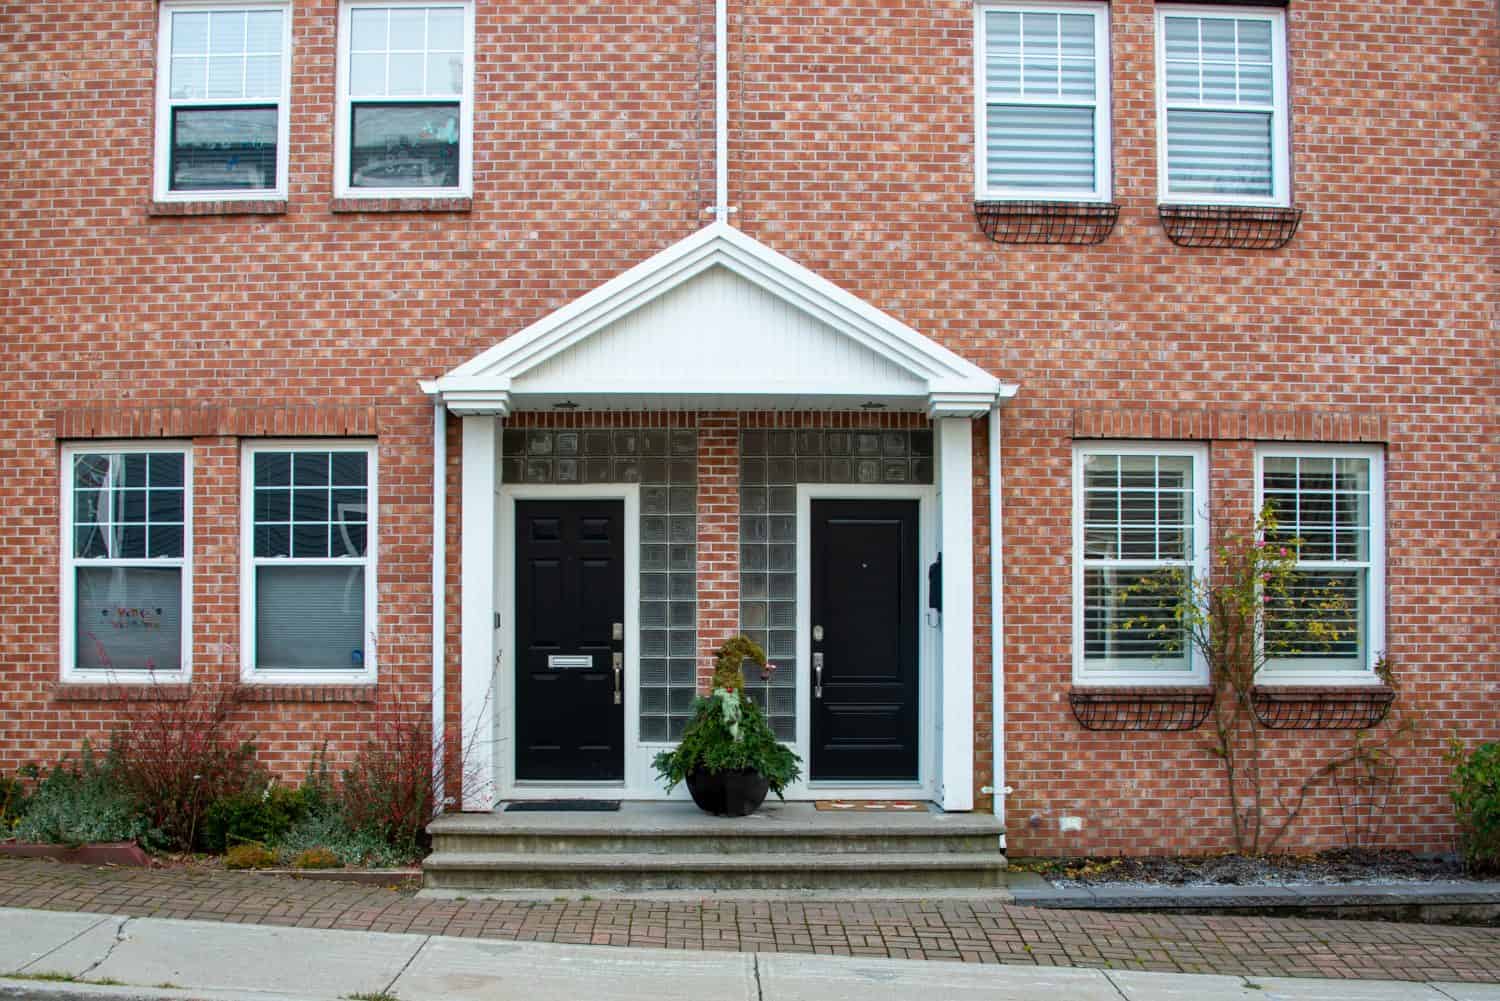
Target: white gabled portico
[[718, 322]]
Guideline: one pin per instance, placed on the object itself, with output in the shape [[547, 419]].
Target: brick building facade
[[151, 309]]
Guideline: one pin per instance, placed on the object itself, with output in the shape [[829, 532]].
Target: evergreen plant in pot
[[728, 756]]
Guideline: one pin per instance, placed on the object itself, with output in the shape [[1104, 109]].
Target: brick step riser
[[545, 844]]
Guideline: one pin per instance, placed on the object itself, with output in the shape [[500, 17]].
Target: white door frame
[[929, 637], [507, 785]]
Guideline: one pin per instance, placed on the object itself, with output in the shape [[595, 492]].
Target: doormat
[[872, 805], [564, 806]]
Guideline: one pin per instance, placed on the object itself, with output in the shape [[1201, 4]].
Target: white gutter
[[439, 576], [997, 622], [721, 111]]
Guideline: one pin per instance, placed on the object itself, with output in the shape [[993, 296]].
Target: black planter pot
[[728, 794]]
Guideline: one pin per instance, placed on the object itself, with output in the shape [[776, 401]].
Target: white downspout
[[439, 577], [721, 111], [997, 622]]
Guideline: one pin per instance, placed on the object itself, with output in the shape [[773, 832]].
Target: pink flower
[[1283, 551]]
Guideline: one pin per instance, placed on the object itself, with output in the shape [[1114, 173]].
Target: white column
[[481, 476], [955, 436]]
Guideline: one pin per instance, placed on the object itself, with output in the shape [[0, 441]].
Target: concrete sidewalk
[[103, 956]]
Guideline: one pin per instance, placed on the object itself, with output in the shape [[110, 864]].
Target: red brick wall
[[853, 153]]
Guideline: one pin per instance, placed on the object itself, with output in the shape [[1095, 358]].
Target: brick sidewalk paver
[[967, 931]]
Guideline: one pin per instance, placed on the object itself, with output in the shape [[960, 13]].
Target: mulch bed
[[1330, 867]]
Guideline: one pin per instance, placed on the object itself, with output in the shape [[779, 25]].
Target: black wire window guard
[[1141, 709], [1321, 708], [1047, 222], [1237, 227]]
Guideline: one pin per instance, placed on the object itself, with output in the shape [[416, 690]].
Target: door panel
[[570, 591], [865, 599]]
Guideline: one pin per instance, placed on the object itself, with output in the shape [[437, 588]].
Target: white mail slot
[[567, 662]]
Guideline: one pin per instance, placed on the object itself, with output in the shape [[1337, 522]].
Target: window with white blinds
[[1329, 503], [1222, 106], [1044, 90], [1138, 509], [309, 582]]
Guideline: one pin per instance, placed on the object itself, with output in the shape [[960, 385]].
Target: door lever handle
[[619, 666], [817, 675]]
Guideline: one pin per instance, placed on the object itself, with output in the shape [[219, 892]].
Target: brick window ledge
[[208, 207], [1128, 707], [121, 692], [307, 693], [343, 205]]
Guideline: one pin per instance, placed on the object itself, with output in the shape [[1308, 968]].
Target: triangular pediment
[[718, 320]]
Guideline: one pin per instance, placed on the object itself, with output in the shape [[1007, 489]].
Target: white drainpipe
[[997, 621], [439, 576]]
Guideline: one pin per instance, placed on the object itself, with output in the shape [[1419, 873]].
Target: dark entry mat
[[564, 806]]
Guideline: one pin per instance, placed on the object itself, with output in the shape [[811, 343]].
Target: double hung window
[[126, 565], [222, 94]]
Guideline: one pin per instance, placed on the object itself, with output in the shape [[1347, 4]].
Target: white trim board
[[929, 637]]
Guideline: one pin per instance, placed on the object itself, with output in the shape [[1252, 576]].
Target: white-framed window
[[1222, 132], [1043, 101], [1138, 508], [308, 582], [1332, 498], [223, 79], [126, 567], [405, 116]]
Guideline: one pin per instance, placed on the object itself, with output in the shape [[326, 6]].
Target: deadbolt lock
[[817, 634], [617, 631]]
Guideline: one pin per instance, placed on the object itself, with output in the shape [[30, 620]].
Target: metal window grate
[[1236, 227], [1174, 709], [1322, 709], [1047, 222]]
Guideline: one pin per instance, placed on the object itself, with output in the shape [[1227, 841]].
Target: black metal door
[[570, 616], [865, 621]]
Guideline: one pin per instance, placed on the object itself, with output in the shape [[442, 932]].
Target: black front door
[[570, 606], [865, 618]]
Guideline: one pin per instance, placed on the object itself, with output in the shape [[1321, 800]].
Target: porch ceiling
[[718, 321]]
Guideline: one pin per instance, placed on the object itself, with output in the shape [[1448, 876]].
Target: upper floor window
[[309, 544], [1138, 509], [221, 101], [125, 564], [1044, 101], [1331, 499], [1222, 106], [405, 99]]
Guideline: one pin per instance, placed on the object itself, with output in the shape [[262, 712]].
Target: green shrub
[[13, 803], [249, 856], [316, 858], [263, 813], [331, 831], [85, 802], [1476, 801]]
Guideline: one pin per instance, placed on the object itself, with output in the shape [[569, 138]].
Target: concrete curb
[[1438, 901]]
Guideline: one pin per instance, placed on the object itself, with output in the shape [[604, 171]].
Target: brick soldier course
[[961, 931], [852, 137]]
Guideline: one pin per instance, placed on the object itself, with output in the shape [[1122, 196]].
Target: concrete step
[[629, 871]]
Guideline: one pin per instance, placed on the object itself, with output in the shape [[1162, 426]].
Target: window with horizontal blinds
[[312, 537], [1138, 542], [1224, 107], [1044, 81]]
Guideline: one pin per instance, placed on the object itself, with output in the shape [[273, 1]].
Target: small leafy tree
[[1476, 802], [1256, 606]]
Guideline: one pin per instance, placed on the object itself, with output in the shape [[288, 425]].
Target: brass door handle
[[817, 675], [619, 666]]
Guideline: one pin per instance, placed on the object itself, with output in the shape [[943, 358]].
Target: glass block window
[[1223, 107], [222, 100], [126, 544], [772, 463], [665, 463], [1137, 510], [311, 584], [1045, 81], [405, 72], [1328, 502]]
